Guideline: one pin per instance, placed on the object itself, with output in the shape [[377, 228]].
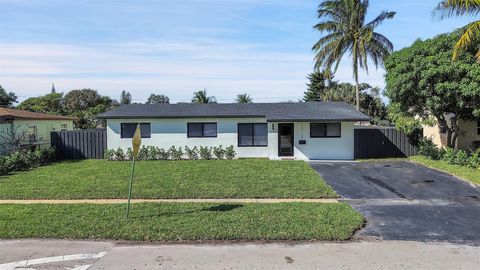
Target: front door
[[285, 139]]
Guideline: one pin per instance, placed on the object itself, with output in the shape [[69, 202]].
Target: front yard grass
[[181, 221], [469, 174], [101, 179]]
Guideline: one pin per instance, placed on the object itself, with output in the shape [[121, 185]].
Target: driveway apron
[[407, 201]]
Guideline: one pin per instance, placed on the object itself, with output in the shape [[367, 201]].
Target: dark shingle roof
[[273, 112]]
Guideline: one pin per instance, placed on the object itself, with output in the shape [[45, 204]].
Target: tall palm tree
[[202, 97], [471, 32], [243, 98], [344, 23]]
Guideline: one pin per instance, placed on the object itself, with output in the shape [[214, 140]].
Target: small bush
[[24, 159], [449, 155], [461, 158], [192, 153], [426, 147], [175, 153], [474, 160], [230, 152], [219, 152], [205, 152]]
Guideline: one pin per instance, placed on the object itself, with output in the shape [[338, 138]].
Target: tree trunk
[[357, 89]]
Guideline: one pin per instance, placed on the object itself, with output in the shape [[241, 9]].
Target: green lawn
[[245, 178], [181, 221], [468, 174]]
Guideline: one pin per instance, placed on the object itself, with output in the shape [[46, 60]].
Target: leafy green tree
[[156, 99], [202, 97], [423, 82], [125, 97], [86, 104], [471, 32], [7, 99], [50, 103], [243, 98], [318, 83], [344, 21]]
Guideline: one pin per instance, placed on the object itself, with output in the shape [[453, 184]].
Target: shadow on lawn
[[216, 208]]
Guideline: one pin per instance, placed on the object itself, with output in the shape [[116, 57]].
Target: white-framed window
[[325, 130], [63, 126]]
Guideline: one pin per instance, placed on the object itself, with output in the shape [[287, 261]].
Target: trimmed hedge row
[[22, 160], [173, 153]]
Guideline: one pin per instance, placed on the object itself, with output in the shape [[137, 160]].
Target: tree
[[423, 82], [471, 32], [7, 99], [53, 91], [156, 99], [125, 97], [202, 97], [50, 103], [243, 98], [344, 21], [319, 82], [86, 104]]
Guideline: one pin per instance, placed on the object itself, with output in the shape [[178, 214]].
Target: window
[[441, 128], [478, 127], [252, 135], [63, 127], [32, 133], [199, 130], [128, 130], [325, 130]]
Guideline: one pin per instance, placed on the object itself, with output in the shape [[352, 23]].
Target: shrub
[[129, 154], [24, 159], [230, 152], [474, 160], [192, 153], [461, 158], [449, 155], [175, 153], [426, 147], [205, 152], [219, 152]]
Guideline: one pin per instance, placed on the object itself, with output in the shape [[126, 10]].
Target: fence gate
[[79, 144], [387, 142]]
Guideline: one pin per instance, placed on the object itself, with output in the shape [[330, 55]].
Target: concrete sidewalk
[[50, 254], [114, 201]]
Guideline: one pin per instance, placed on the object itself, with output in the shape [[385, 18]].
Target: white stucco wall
[[324, 148], [168, 132]]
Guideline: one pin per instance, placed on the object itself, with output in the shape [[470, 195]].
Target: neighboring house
[[469, 139], [33, 127], [311, 130]]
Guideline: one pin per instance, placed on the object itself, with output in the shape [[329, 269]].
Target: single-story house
[[469, 138], [304, 130], [32, 127]]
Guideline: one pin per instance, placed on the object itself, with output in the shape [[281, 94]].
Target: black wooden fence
[[384, 142], [79, 144]]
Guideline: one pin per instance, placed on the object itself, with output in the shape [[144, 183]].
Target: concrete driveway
[[406, 201]]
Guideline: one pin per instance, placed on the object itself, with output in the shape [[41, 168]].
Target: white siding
[[168, 132]]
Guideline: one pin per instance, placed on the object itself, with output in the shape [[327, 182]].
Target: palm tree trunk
[[357, 90]]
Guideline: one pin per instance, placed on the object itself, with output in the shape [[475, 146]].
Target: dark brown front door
[[285, 139]]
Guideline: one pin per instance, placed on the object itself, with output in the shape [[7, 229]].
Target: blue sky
[[175, 47]]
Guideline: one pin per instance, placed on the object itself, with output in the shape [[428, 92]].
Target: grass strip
[[181, 221]]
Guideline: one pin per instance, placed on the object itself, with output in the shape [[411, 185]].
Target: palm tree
[[243, 98], [201, 97], [471, 32], [344, 21]]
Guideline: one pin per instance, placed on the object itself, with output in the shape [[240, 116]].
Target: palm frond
[[471, 33], [380, 18], [449, 8]]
